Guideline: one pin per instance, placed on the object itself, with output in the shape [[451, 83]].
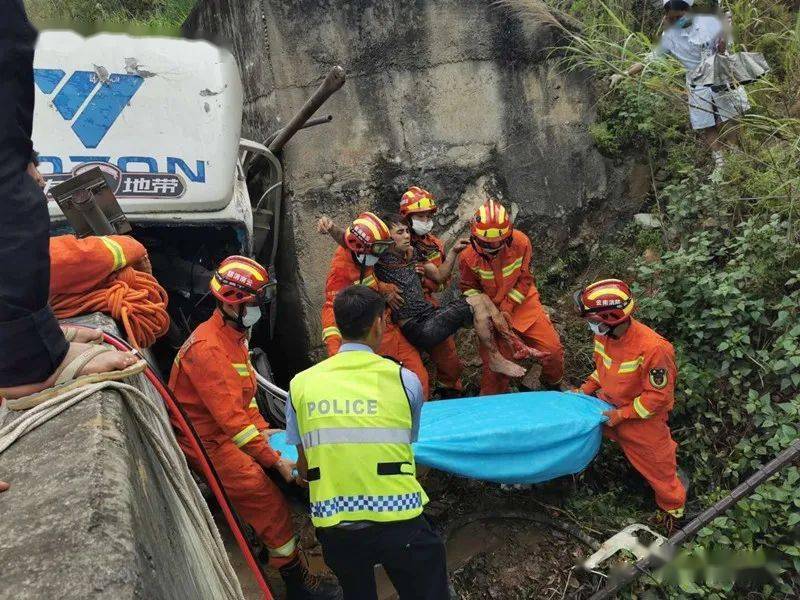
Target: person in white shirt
[[691, 38]]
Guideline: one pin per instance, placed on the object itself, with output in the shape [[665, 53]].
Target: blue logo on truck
[[90, 120]]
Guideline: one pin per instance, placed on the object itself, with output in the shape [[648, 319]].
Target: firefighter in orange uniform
[[418, 207], [634, 371], [498, 263], [358, 251], [215, 383]]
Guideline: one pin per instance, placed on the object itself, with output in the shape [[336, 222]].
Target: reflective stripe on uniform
[[434, 255], [241, 369], [330, 332], [117, 253], [245, 436], [510, 269], [356, 435], [368, 281], [345, 504], [483, 274], [253, 403], [595, 375], [468, 293], [640, 409], [286, 550], [601, 350], [516, 296], [631, 366]]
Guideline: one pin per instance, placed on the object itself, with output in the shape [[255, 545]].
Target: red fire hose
[[209, 473]]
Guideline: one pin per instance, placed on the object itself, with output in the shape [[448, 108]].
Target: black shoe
[[447, 393], [301, 584]]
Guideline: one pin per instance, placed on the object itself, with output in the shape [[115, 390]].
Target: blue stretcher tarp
[[511, 438]]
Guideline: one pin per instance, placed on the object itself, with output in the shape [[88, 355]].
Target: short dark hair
[[676, 5], [392, 219], [355, 309]]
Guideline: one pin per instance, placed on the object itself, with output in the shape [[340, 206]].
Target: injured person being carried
[[425, 325]]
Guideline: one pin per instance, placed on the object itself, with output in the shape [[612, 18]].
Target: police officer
[[353, 418]]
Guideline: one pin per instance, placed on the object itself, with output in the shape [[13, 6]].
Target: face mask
[[599, 328], [251, 315], [421, 227], [368, 260]]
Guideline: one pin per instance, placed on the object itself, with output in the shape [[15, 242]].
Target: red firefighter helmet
[[491, 224], [241, 280], [417, 200], [368, 235], [608, 301]]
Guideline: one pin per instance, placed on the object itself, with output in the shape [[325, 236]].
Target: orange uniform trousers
[[648, 445], [254, 496]]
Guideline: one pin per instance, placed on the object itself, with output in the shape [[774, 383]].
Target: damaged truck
[[161, 120]]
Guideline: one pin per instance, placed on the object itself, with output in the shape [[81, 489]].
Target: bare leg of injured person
[[486, 322]]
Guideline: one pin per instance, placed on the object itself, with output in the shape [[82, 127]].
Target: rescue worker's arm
[[469, 283], [331, 335], [326, 226], [658, 382], [442, 273], [522, 278], [78, 265], [658, 388], [221, 388], [392, 295], [591, 385]]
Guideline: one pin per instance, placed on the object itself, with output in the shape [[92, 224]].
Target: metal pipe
[[310, 123], [334, 80], [270, 387], [743, 490]]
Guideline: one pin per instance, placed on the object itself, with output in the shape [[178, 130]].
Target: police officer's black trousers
[[412, 554], [31, 343]]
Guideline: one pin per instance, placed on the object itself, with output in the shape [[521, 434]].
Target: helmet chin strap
[[612, 333], [237, 322]]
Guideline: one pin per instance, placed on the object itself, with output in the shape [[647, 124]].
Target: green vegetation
[[720, 279], [87, 16]]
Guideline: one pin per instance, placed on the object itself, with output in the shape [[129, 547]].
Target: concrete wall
[[86, 516], [457, 96]]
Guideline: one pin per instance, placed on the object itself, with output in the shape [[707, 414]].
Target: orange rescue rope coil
[[108, 274], [131, 297]]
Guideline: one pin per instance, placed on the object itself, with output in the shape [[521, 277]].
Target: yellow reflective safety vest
[[354, 419]]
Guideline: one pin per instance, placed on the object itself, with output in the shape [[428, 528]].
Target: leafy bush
[[724, 288]]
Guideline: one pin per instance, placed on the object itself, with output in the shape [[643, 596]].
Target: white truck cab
[[161, 117]]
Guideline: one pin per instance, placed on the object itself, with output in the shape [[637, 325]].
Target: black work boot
[[301, 584], [447, 393]]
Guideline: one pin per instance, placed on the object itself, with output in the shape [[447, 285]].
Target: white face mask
[[599, 328], [368, 260], [251, 315], [421, 227]]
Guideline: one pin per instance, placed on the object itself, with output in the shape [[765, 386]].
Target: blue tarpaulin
[[511, 438]]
